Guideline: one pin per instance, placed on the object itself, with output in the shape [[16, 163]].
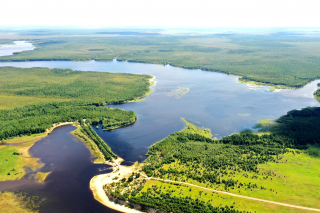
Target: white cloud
[[169, 13]]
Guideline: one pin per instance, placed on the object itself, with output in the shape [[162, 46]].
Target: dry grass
[[11, 203]]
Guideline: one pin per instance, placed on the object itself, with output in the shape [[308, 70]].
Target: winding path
[[241, 196], [97, 183]]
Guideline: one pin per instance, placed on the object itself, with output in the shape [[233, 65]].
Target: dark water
[[212, 100], [67, 187]]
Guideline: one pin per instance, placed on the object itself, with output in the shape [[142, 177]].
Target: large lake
[[214, 100], [208, 99]]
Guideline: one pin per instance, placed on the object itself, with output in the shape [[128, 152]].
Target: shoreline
[[24, 144], [152, 83], [97, 182], [183, 67]]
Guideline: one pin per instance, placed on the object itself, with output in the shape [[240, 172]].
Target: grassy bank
[[281, 60], [15, 156], [280, 166], [72, 96]]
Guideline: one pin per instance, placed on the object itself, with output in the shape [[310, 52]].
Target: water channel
[[213, 100]]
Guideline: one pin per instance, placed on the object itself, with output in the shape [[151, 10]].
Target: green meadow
[[216, 199]]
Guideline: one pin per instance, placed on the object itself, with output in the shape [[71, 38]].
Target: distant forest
[[275, 59]]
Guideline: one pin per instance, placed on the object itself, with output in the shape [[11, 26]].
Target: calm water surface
[[19, 46], [67, 187], [208, 99]]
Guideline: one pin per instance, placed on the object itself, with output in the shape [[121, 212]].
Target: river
[[213, 100]]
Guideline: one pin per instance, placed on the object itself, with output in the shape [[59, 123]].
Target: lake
[[209, 99], [19, 46]]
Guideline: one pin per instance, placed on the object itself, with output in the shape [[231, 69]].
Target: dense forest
[[237, 152], [276, 59], [72, 96], [34, 119], [238, 163], [39, 85]]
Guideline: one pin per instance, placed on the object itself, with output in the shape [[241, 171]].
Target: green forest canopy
[[246, 164], [72, 96], [279, 59]]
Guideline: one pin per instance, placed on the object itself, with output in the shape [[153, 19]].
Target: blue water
[[213, 100]]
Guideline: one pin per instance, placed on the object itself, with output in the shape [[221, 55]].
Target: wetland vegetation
[[13, 202]]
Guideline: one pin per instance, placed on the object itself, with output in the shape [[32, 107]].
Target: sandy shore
[[57, 125], [97, 183]]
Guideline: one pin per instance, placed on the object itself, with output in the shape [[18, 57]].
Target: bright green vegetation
[[14, 158], [191, 128], [41, 176], [207, 196], [136, 191], [72, 97], [81, 92], [274, 59], [11, 164], [103, 147], [280, 166], [19, 202], [47, 85], [91, 144], [264, 125], [34, 119]]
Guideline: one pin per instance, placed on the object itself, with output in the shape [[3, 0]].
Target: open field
[[216, 199], [274, 59], [16, 156], [278, 166]]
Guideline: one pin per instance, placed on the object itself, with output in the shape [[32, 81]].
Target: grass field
[[273, 59], [16, 156], [217, 199], [294, 180], [290, 177]]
